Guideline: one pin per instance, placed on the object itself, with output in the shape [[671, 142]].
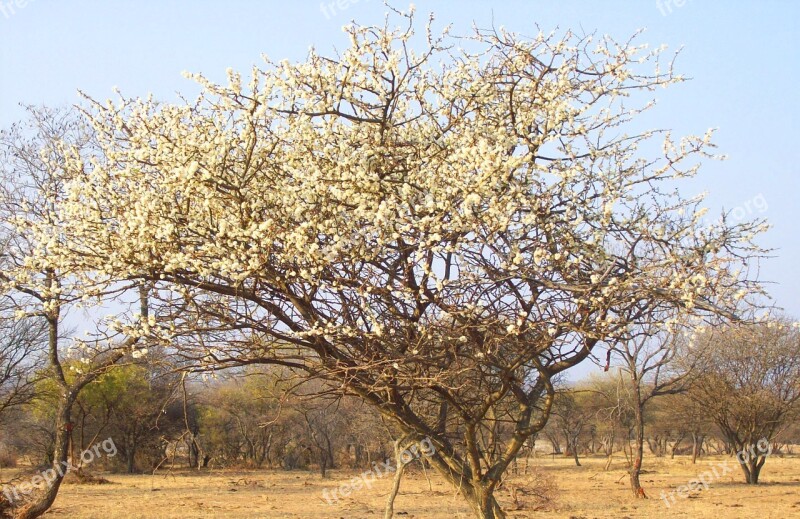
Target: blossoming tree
[[439, 231]]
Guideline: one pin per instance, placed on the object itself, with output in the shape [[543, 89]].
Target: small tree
[[245, 418], [612, 413], [571, 415], [131, 399], [648, 361], [685, 413], [750, 387]]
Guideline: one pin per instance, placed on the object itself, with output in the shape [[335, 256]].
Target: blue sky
[[743, 58]]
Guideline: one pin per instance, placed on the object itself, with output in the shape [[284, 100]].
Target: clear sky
[[743, 58]]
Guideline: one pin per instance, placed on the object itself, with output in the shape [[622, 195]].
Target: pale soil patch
[[585, 492]]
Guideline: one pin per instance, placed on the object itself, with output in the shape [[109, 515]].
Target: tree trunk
[[575, 453], [194, 453], [323, 464], [478, 494], [697, 443], [752, 469], [675, 445], [60, 461], [130, 457], [63, 432], [329, 448], [398, 476], [638, 454], [485, 505]]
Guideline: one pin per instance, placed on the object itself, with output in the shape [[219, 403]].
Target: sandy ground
[[583, 492]]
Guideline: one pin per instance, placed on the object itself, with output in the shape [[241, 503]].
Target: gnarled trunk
[[483, 503], [752, 468], [54, 475]]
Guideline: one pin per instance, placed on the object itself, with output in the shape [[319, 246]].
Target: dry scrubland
[[584, 492]]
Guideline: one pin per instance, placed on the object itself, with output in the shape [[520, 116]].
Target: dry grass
[[583, 492]]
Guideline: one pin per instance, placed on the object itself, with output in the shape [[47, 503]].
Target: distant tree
[[683, 412], [21, 347], [648, 360], [664, 431], [572, 414], [749, 387], [131, 400], [34, 432], [612, 413], [323, 423], [552, 434], [240, 419]]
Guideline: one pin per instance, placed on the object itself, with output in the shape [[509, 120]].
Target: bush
[[8, 458], [535, 491]]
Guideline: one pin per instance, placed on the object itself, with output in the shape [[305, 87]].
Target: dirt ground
[[582, 493]]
